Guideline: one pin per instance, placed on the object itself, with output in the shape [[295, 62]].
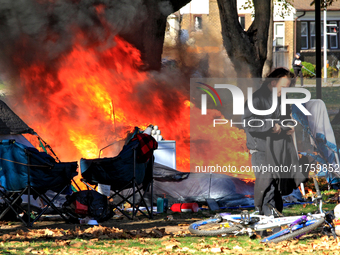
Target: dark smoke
[[46, 29]]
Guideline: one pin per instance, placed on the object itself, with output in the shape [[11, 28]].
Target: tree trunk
[[246, 49], [268, 64], [148, 33]]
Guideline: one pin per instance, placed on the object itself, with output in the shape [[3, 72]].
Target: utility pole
[[325, 43]]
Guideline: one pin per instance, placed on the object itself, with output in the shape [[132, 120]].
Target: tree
[[148, 34], [246, 49], [268, 64]]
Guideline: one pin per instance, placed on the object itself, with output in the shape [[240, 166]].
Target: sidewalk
[[331, 82]]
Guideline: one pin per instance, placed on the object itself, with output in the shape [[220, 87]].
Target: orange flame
[[94, 97]]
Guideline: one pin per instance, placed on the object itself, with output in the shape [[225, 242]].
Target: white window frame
[[336, 36], [310, 34], [195, 24], [306, 36], [284, 30]]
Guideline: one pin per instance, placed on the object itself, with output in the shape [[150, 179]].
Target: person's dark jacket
[[256, 136], [279, 148], [297, 63]]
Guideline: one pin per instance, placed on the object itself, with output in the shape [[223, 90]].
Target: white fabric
[[319, 123]]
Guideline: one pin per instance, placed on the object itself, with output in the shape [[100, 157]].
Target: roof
[[10, 123], [305, 5]]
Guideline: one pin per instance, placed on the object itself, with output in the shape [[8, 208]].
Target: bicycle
[[243, 223]]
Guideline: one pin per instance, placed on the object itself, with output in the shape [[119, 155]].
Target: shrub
[[310, 67], [332, 72], [305, 73]]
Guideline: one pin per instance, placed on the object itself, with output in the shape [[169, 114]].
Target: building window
[[312, 34], [304, 35], [242, 21], [308, 35], [279, 32], [198, 22], [333, 39]]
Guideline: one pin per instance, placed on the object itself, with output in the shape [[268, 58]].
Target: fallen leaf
[[77, 244], [171, 246], [237, 247], [216, 249], [28, 250]]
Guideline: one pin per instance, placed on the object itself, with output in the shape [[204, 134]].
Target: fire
[[84, 143], [92, 98], [221, 145]]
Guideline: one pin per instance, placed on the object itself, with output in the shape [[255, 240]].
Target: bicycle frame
[[263, 222], [248, 223], [268, 222]]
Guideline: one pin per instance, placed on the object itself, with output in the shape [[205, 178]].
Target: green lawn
[[330, 95], [109, 240]]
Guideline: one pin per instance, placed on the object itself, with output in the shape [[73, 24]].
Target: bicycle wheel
[[301, 229], [194, 228]]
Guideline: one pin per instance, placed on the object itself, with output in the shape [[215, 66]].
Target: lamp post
[[318, 47], [325, 44]]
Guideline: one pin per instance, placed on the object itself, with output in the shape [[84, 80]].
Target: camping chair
[[25, 170], [123, 172]]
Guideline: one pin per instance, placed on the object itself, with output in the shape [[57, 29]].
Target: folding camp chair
[[25, 170], [122, 173]]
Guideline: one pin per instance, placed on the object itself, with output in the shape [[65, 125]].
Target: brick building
[[305, 27], [293, 28]]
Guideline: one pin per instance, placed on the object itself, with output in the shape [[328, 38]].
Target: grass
[[330, 95], [149, 246], [183, 245], [177, 243]]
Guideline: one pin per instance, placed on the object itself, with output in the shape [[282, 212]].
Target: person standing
[[297, 66], [271, 145]]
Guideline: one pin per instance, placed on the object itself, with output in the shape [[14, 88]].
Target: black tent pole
[[318, 47]]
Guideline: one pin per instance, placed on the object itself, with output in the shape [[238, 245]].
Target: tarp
[[184, 187], [180, 187]]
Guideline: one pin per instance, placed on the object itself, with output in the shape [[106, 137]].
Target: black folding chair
[[25, 170], [129, 180]]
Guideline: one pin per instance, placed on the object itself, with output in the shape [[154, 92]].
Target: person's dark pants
[[298, 72], [266, 189]]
